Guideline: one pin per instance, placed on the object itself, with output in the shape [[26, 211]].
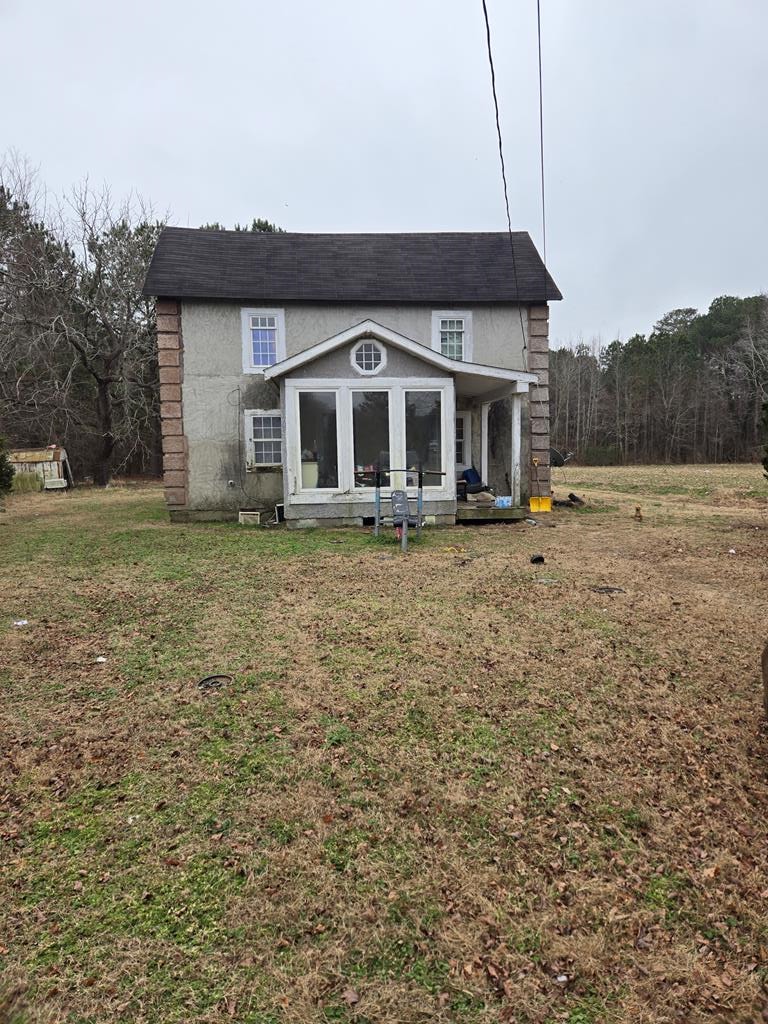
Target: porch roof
[[473, 380]]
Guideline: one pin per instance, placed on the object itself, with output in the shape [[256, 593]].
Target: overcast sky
[[376, 115]]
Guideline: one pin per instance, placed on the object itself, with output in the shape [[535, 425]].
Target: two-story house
[[293, 366]]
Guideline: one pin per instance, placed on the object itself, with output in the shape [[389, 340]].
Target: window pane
[[264, 349], [267, 427], [317, 419], [267, 452], [452, 341], [370, 429], [460, 441], [368, 356], [423, 433]]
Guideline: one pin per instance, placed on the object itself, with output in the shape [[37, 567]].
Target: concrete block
[[168, 324], [168, 340], [170, 375], [173, 443], [171, 427], [170, 393], [538, 361], [170, 410]]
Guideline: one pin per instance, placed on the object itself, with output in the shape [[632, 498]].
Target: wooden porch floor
[[466, 513]]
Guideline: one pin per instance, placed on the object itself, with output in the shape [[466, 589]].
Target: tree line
[[693, 390], [78, 361]]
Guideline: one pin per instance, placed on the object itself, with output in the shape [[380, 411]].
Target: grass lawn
[[451, 787]]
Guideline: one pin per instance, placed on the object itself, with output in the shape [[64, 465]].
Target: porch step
[[476, 514]]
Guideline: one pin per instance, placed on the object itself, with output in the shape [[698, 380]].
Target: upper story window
[[263, 338], [368, 357], [452, 333]]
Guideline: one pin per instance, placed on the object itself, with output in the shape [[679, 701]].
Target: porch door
[[463, 441]]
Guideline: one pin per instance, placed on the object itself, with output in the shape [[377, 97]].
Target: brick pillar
[[538, 363], [170, 357]]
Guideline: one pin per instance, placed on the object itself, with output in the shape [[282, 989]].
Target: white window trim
[[250, 459], [346, 492], [245, 327], [358, 369], [454, 314], [465, 416]]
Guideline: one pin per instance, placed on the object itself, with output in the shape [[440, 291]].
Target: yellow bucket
[[540, 504]]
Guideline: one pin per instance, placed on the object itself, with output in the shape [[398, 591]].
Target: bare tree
[[76, 335]]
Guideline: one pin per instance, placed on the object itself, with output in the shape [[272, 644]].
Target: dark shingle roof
[[451, 268]]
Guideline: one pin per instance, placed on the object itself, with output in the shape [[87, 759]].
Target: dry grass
[[434, 787]]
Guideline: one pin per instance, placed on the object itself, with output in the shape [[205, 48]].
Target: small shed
[[50, 465]]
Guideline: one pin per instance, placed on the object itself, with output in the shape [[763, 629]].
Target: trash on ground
[[537, 559], [608, 590], [731, 551], [100, 660], [547, 581], [213, 682], [572, 501], [21, 622], [531, 522]]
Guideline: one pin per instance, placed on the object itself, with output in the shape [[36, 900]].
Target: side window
[[452, 333], [264, 435], [263, 338]]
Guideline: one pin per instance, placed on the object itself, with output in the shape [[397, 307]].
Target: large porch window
[[423, 432], [338, 434], [370, 433], [319, 440]]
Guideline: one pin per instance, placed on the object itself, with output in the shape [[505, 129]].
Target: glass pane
[[317, 419], [267, 427], [264, 352], [460, 441], [370, 430], [452, 343], [423, 433], [267, 452], [368, 356]]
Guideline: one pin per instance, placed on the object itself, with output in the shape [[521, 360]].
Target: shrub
[[6, 470], [26, 483]]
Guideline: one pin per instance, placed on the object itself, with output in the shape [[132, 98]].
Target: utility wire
[[504, 180], [541, 151]]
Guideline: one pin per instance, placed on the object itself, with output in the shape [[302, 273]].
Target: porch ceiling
[[485, 388]]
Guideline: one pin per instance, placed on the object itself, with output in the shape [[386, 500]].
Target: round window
[[368, 357]]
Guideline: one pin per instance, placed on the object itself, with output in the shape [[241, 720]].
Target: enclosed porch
[[371, 401]]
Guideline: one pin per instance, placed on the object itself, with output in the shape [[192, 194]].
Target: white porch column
[[484, 441], [514, 475]]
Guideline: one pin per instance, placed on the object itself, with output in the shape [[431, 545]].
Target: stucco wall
[[215, 395], [338, 364], [216, 392], [213, 339]]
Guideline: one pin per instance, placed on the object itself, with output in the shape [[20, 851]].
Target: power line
[[504, 179], [541, 151]]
